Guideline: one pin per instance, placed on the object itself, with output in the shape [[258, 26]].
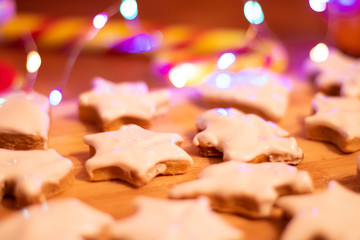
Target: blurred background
[[292, 23], [289, 20]]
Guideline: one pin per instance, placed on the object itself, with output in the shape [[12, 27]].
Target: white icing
[[59, 219], [113, 101], [158, 219], [24, 113], [29, 170], [243, 137], [259, 88], [332, 214], [338, 113], [134, 149], [338, 69], [256, 181]]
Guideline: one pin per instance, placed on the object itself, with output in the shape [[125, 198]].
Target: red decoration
[[7, 75]]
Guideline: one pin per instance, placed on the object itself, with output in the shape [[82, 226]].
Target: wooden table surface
[[323, 161]]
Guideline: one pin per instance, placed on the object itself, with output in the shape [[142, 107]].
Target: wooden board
[[323, 161]]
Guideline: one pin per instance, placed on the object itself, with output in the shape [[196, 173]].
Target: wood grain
[[323, 161]]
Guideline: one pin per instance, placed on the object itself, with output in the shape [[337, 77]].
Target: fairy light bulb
[[100, 20], [318, 5], [319, 53], [33, 62], [180, 74], [223, 80], [226, 60], [55, 97], [253, 12], [129, 9]]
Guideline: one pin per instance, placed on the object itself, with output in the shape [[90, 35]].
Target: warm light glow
[[100, 20], [33, 61], [180, 74], [55, 97], [226, 60], [318, 5], [223, 80], [129, 9], [253, 12], [319, 53]]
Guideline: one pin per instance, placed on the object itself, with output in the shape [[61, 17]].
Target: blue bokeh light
[[55, 97], [226, 60], [136, 44], [223, 80], [347, 2], [129, 9], [253, 12]]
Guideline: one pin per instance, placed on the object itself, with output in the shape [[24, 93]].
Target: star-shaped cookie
[[58, 219], [258, 90], [112, 105], [249, 189], [336, 120], [337, 75], [135, 155], [158, 219], [24, 121], [244, 137], [332, 214], [33, 175]]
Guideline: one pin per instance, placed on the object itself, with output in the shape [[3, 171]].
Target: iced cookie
[[336, 120], [172, 219], [329, 215], [244, 138], [337, 75], [58, 219], [135, 155], [257, 90], [32, 176], [245, 188], [24, 121], [112, 105]]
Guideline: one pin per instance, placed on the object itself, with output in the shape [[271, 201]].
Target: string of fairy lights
[[320, 52], [180, 74], [127, 8]]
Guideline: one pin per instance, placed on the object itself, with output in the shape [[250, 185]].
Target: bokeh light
[[100, 20], [347, 2], [319, 53], [180, 74], [222, 111], [318, 5], [253, 12], [7, 10], [129, 9], [226, 60], [55, 97], [33, 62], [223, 80]]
